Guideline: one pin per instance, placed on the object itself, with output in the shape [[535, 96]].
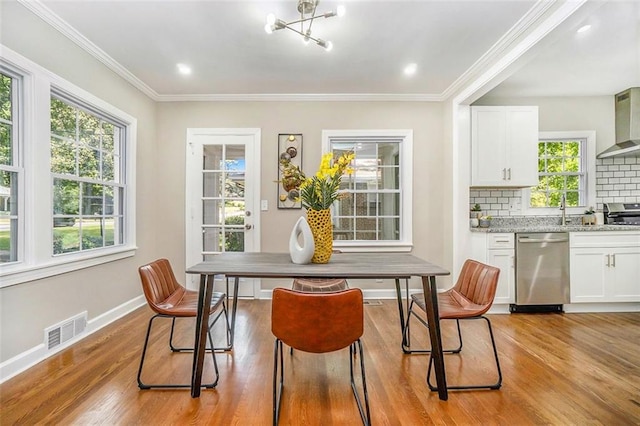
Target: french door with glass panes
[[222, 193]]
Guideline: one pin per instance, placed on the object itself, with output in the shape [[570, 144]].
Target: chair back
[[160, 285], [478, 282], [317, 322]]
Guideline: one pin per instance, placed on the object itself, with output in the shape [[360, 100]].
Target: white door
[[222, 197]]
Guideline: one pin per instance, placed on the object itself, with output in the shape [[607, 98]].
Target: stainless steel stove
[[622, 213]]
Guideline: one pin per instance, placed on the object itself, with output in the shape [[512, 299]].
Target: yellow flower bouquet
[[320, 191]]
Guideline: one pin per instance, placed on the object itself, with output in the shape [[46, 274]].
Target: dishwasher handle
[[542, 240]]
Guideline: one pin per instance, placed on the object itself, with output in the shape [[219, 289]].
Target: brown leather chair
[[470, 298], [318, 323], [168, 299], [319, 285]]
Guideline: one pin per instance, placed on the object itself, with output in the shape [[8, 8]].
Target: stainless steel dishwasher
[[542, 272]]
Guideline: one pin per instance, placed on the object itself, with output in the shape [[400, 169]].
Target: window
[[565, 160], [67, 189], [86, 162], [10, 172], [377, 212]]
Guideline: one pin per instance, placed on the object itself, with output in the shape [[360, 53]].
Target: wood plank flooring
[[571, 369]]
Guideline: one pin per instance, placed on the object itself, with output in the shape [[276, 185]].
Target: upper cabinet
[[504, 146]]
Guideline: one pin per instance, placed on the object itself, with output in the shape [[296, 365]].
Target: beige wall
[[26, 309], [308, 118], [570, 113]]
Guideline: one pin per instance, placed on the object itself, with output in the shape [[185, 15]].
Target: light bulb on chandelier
[[307, 9]]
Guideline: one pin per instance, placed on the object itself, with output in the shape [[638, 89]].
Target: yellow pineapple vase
[[322, 230]]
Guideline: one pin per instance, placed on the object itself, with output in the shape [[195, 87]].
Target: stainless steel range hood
[[627, 109]]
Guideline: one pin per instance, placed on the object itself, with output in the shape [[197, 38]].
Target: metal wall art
[[289, 170]]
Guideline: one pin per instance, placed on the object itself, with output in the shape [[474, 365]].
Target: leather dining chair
[[319, 285], [318, 322], [470, 298], [169, 299]]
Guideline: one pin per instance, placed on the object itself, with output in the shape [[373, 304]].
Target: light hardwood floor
[[571, 369]]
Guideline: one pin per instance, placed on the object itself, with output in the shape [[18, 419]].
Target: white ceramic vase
[[301, 253]]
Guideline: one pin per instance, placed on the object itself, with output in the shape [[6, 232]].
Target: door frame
[[193, 180]]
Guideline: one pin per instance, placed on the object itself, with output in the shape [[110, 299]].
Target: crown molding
[[47, 15], [303, 97], [498, 50]]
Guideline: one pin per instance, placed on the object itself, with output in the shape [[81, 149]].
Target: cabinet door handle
[[504, 174], [613, 260], [608, 260], [509, 171]]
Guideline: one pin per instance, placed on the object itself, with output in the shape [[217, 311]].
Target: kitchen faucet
[[563, 208]]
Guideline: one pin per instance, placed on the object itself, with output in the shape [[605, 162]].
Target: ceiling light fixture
[[410, 69], [584, 28], [184, 69], [307, 9]]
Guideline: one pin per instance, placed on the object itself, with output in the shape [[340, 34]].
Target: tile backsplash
[[617, 180]]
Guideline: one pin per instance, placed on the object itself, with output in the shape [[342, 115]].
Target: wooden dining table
[[397, 266]]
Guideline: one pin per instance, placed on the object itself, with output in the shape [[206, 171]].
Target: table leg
[[202, 325], [400, 308], [431, 299], [234, 309]]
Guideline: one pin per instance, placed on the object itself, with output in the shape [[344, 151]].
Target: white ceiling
[[230, 53]]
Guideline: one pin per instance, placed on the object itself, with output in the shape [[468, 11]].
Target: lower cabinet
[[605, 267], [498, 250]]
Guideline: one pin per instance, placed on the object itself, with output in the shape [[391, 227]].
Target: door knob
[[248, 226]]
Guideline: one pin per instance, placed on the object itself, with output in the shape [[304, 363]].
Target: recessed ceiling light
[[184, 69], [410, 69], [584, 28]]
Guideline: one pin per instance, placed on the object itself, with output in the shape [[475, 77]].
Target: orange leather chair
[[168, 299], [470, 298], [318, 322]]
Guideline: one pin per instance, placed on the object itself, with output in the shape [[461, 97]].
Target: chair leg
[[406, 338], [223, 313], [278, 363], [143, 385], [495, 354], [364, 412]]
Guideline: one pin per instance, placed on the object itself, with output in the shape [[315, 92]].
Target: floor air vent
[[65, 330]]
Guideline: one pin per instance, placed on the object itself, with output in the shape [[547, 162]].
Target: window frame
[[405, 139], [589, 162], [38, 260], [17, 153]]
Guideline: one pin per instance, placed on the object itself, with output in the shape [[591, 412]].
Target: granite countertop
[[513, 224], [556, 228]]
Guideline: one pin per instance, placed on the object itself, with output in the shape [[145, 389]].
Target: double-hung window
[[11, 172], [88, 184], [565, 169], [376, 211], [67, 188]]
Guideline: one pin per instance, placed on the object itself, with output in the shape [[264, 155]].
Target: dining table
[[397, 266]]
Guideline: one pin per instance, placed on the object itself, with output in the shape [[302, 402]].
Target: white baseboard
[[31, 357], [602, 307]]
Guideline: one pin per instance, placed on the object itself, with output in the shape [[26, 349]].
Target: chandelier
[[307, 9]]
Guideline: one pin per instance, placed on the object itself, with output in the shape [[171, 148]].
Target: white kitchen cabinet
[[605, 267], [498, 250], [504, 146]]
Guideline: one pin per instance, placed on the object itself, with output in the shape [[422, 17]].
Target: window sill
[[20, 273], [362, 247]]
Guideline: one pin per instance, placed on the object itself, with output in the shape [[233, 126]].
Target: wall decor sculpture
[[289, 170]]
